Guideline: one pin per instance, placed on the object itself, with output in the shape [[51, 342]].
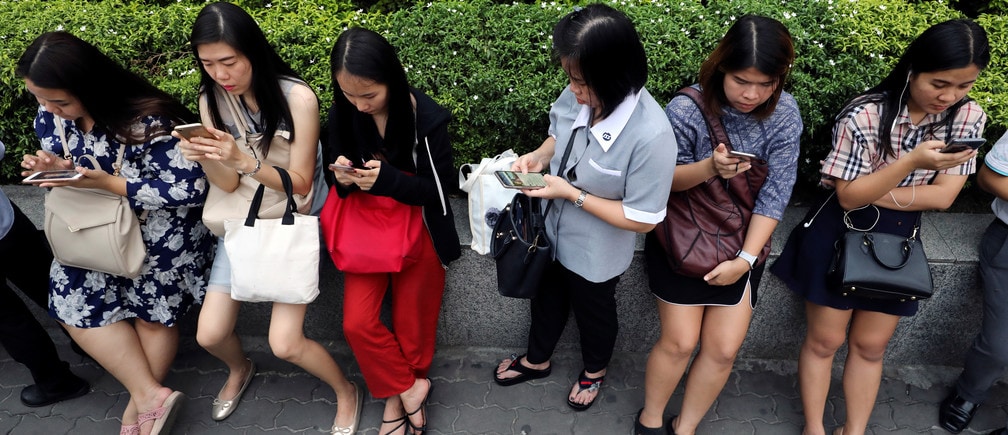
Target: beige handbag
[[221, 205], [92, 228]]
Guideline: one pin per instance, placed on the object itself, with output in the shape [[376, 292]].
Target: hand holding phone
[[518, 180], [52, 176], [189, 131], [962, 144]]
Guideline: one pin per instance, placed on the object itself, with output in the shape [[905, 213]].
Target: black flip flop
[[526, 373], [586, 383]]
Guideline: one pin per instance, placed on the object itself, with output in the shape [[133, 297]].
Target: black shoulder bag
[[519, 245]]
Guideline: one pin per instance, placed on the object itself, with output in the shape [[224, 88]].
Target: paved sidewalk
[[761, 398]]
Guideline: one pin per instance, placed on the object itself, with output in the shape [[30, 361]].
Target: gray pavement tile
[[745, 407], [284, 386], [460, 392], [9, 421], [34, 425], [761, 427], [726, 426], [13, 375], [316, 415]]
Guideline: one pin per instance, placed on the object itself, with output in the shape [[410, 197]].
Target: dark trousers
[[594, 307], [26, 265], [988, 357]]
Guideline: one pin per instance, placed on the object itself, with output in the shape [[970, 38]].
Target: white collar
[[608, 129]]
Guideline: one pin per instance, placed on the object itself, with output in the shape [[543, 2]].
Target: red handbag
[[368, 233]]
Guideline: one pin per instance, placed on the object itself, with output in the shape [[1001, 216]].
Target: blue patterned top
[[179, 248], [774, 139]]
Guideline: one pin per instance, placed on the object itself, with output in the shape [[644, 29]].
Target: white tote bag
[[274, 260], [487, 197]]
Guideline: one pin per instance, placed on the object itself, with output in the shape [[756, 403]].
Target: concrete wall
[[473, 314]]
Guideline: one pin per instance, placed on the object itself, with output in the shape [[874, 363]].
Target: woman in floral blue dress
[[89, 105]]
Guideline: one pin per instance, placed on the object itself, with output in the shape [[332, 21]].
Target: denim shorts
[[220, 272]]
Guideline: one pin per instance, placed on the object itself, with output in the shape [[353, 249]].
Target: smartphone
[[518, 180], [963, 143], [189, 131], [742, 155], [338, 167], [47, 176]]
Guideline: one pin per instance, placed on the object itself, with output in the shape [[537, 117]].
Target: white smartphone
[[518, 180], [963, 144], [47, 176], [189, 131], [742, 155]]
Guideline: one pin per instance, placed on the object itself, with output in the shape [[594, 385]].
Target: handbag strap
[[288, 216], [714, 126], [116, 166], [563, 165]]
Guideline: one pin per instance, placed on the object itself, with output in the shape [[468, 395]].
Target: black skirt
[[678, 289], [808, 254]]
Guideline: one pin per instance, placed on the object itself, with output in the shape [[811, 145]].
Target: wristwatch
[[254, 171], [580, 199], [749, 258]]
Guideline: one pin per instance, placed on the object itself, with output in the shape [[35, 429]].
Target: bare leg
[[680, 333], [827, 331], [868, 338], [160, 344], [215, 333], [721, 336], [286, 338], [117, 349]]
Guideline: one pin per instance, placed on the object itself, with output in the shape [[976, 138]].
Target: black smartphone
[[339, 167], [518, 180], [963, 143]]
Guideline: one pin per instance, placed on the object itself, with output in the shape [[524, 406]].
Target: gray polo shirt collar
[[607, 130]]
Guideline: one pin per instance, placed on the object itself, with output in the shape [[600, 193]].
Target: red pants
[[391, 360]]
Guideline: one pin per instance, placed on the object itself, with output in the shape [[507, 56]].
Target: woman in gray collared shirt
[[614, 184]]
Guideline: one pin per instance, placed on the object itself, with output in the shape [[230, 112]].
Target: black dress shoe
[[640, 429], [33, 396], [955, 413]]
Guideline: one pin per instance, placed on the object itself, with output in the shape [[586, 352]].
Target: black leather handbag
[[520, 247], [519, 244], [881, 266]]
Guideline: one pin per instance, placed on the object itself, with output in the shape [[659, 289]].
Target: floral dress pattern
[[171, 189]]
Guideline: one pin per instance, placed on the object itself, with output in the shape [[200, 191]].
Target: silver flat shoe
[[337, 430], [223, 408]]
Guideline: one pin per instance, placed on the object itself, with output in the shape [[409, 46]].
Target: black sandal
[[422, 409], [402, 421], [586, 383], [525, 373]]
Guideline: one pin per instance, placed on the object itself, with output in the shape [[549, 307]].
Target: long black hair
[[230, 24], [948, 45], [368, 55], [112, 95], [605, 46]]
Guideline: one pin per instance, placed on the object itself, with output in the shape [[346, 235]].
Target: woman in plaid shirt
[[886, 167]]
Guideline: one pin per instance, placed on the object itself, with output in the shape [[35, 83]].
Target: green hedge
[[489, 63]]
